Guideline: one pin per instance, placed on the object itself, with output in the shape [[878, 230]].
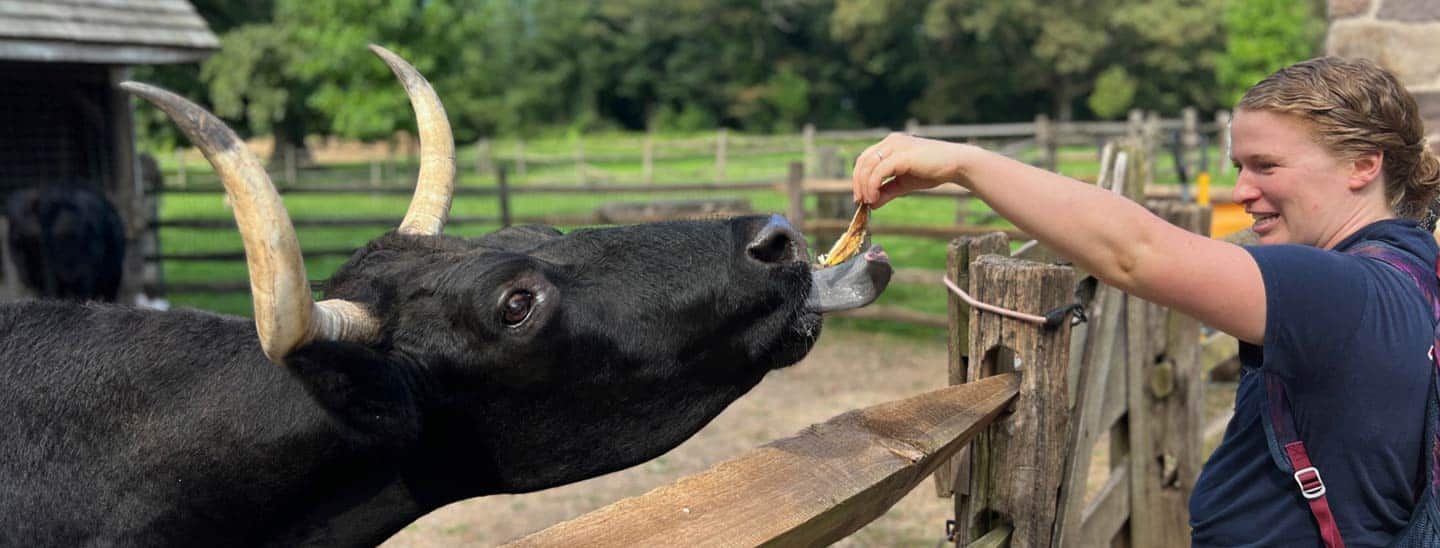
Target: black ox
[[64, 242], [439, 368]]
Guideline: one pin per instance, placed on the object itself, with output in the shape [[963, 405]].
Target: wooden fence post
[[720, 145], [580, 159], [389, 166], [808, 137], [830, 206], [647, 158], [1046, 142], [953, 477], [519, 157], [1017, 464], [1151, 136], [1100, 401], [795, 191], [484, 163], [1190, 141], [289, 158], [1166, 396], [1133, 122], [1222, 141], [180, 168], [502, 188]]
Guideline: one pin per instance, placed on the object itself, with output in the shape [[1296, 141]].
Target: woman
[[1331, 156]]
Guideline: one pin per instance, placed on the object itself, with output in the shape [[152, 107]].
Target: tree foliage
[[1265, 35], [527, 66]]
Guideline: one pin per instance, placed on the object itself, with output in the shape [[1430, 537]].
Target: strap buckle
[[1310, 483]]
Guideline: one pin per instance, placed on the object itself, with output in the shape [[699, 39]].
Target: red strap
[[1313, 488]]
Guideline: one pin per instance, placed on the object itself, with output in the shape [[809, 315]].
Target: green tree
[[1263, 36], [251, 80], [153, 129]]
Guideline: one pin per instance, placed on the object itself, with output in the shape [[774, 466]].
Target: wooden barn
[[64, 121]]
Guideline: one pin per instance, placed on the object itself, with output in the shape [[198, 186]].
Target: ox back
[[65, 242], [117, 435]]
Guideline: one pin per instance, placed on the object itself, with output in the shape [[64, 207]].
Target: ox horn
[[286, 316], [436, 183]]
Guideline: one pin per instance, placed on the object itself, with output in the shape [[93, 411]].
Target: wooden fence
[[1014, 440], [1038, 141], [817, 180]]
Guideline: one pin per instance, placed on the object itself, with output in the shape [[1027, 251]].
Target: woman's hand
[[915, 164]]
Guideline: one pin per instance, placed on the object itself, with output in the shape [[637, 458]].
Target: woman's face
[[1292, 186]]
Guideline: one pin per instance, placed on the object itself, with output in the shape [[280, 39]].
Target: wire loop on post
[[1050, 320]]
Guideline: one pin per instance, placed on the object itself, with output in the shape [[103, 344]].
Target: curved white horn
[[431, 204], [286, 316]]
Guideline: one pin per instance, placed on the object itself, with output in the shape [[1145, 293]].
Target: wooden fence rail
[[808, 490]]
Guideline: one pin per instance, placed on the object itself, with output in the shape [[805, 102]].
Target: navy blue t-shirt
[[1349, 336]]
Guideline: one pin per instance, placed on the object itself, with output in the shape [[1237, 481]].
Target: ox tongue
[[851, 284]]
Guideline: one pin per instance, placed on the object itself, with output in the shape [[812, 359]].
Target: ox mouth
[[851, 284]]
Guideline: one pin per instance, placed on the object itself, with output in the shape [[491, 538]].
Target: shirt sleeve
[[1313, 300]]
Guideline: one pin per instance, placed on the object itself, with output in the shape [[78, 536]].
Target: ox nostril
[[777, 242]]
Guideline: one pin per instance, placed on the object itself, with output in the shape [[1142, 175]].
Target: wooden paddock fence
[[818, 180], [1040, 138], [1014, 440]]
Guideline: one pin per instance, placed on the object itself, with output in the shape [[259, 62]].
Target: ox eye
[[517, 307]]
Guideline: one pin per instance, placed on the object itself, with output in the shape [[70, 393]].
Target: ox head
[[527, 358]]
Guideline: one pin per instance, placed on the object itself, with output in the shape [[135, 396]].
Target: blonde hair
[[1356, 108]]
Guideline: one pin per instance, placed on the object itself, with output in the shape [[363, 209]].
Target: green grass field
[[611, 158]]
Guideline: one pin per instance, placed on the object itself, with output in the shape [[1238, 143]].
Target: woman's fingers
[[864, 165], [900, 164], [873, 166]]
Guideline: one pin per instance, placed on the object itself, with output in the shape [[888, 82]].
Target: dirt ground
[[846, 370]]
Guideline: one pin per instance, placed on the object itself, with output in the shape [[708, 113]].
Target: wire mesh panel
[[53, 126]]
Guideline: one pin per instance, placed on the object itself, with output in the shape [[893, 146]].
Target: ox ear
[[517, 238]]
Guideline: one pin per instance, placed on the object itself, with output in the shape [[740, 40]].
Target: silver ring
[[880, 155]]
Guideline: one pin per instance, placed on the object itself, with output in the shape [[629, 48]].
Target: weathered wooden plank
[[97, 32], [795, 195], [1101, 357], [996, 538], [1217, 349], [1104, 516], [48, 51], [160, 20], [808, 490], [959, 255], [152, 5], [1166, 402], [1115, 406], [1017, 464]]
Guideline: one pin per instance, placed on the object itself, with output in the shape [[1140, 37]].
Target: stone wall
[[1403, 36]]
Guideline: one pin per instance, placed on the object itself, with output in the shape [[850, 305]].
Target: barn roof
[[112, 32]]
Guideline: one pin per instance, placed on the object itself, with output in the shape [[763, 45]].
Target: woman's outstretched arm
[[1115, 239]]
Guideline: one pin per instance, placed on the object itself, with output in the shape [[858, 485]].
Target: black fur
[[66, 241], [142, 428]]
